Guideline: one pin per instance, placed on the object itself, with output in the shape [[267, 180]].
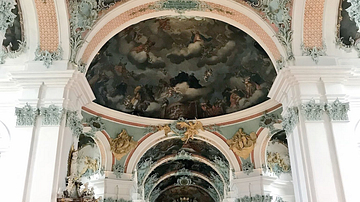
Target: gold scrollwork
[[242, 144], [121, 145]]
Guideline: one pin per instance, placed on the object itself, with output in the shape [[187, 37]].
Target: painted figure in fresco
[[242, 144], [164, 24], [197, 37], [208, 73]]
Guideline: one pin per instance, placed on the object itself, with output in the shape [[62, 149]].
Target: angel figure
[[191, 129], [90, 164], [165, 128], [242, 144]]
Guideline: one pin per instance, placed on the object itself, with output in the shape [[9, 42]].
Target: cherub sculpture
[[242, 144], [191, 129]]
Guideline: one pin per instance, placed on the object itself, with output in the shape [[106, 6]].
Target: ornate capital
[[26, 115], [118, 170], [257, 198], [337, 110], [268, 121], [51, 115], [313, 111], [290, 119]]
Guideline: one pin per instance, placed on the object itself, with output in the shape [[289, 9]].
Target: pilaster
[[315, 117]]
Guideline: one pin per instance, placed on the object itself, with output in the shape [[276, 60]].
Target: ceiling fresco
[[348, 30], [173, 67], [174, 145]]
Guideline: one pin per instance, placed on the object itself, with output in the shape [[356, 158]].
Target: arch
[[261, 144], [101, 139], [130, 13], [199, 175], [152, 139]]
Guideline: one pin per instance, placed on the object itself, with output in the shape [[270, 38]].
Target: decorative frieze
[[48, 57], [337, 110], [223, 168], [313, 111], [314, 52], [290, 119], [142, 169], [150, 183], [6, 52]]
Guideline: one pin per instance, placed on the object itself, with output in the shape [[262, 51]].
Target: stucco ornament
[[150, 183], [290, 119], [247, 167], [154, 194], [180, 6], [278, 13], [142, 169], [48, 57], [115, 200], [6, 16], [118, 170], [91, 166], [96, 124], [74, 123], [83, 15], [51, 115], [6, 52], [313, 111], [268, 121], [183, 181], [280, 64], [26, 115], [314, 52], [218, 183], [353, 11], [257, 198], [121, 145], [338, 110], [242, 144], [223, 167]]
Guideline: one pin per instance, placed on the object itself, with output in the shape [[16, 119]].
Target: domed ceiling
[[173, 67]]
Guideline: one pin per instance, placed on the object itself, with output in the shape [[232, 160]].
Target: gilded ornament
[[90, 164], [165, 128], [242, 144], [277, 164], [192, 129], [121, 145]]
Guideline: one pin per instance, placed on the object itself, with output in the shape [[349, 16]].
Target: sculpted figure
[[122, 144], [191, 129], [242, 144], [165, 128]]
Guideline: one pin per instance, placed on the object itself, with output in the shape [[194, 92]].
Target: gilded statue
[[191, 129], [165, 128], [242, 144], [90, 164], [274, 158], [121, 145]]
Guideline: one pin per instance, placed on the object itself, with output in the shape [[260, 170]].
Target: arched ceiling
[[184, 165], [172, 67]]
